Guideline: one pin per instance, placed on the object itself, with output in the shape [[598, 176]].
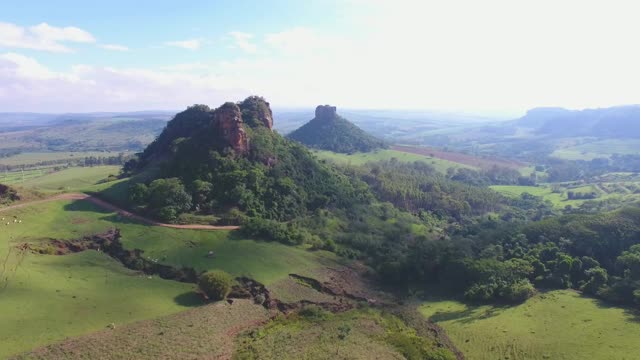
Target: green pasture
[[558, 325], [30, 158], [383, 155], [46, 298], [67, 180], [598, 149]]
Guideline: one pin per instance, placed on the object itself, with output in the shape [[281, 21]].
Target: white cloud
[[114, 47], [23, 66], [463, 55], [243, 41], [42, 37], [191, 44], [301, 41], [28, 85]]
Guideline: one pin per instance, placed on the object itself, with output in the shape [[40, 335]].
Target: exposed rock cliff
[[227, 122], [326, 112]]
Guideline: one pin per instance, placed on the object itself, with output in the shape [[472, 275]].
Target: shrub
[[313, 312], [480, 292], [519, 291], [216, 284]]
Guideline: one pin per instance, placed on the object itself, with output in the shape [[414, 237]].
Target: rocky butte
[[227, 122], [219, 128], [326, 112]]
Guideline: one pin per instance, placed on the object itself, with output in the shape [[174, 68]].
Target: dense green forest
[[329, 131]]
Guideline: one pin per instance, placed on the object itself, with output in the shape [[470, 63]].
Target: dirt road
[[105, 205]]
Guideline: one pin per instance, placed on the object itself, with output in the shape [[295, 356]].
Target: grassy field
[[380, 155], [553, 325], [560, 200], [30, 158], [46, 298], [356, 334], [204, 332], [71, 179], [598, 149], [20, 176]]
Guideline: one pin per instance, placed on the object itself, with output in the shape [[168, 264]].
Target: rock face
[[266, 115], [326, 112], [256, 112], [228, 124]]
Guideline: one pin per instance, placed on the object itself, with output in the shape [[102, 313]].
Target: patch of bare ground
[[466, 159], [206, 332]]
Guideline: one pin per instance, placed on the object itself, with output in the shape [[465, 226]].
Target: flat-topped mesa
[[327, 112], [228, 123]]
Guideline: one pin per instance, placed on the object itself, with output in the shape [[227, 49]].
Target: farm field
[[606, 191], [460, 158], [382, 155], [20, 176], [48, 292], [30, 158], [554, 325], [559, 200], [70, 179], [598, 149]]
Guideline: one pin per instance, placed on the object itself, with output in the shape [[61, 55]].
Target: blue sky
[[145, 27], [489, 56]]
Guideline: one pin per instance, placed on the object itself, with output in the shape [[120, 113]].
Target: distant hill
[[614, 122], [25, 132], [329, 131]]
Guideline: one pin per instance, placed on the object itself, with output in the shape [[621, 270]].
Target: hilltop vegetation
[[329, 131], [214, 160]]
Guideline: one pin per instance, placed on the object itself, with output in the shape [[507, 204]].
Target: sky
[[490, 56]]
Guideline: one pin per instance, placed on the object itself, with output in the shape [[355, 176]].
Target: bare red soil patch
[[470, 160]]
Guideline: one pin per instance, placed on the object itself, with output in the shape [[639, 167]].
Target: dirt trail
[[105, 205]]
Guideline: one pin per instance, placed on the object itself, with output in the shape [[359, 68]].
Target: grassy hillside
[[357, 334], [204, 332], [385, 154], [553, 325], [598, 149], [47, 292], [616, 192], [71, 179]]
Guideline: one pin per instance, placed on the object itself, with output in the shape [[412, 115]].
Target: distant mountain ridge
[[613, 122], [329, 131]]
